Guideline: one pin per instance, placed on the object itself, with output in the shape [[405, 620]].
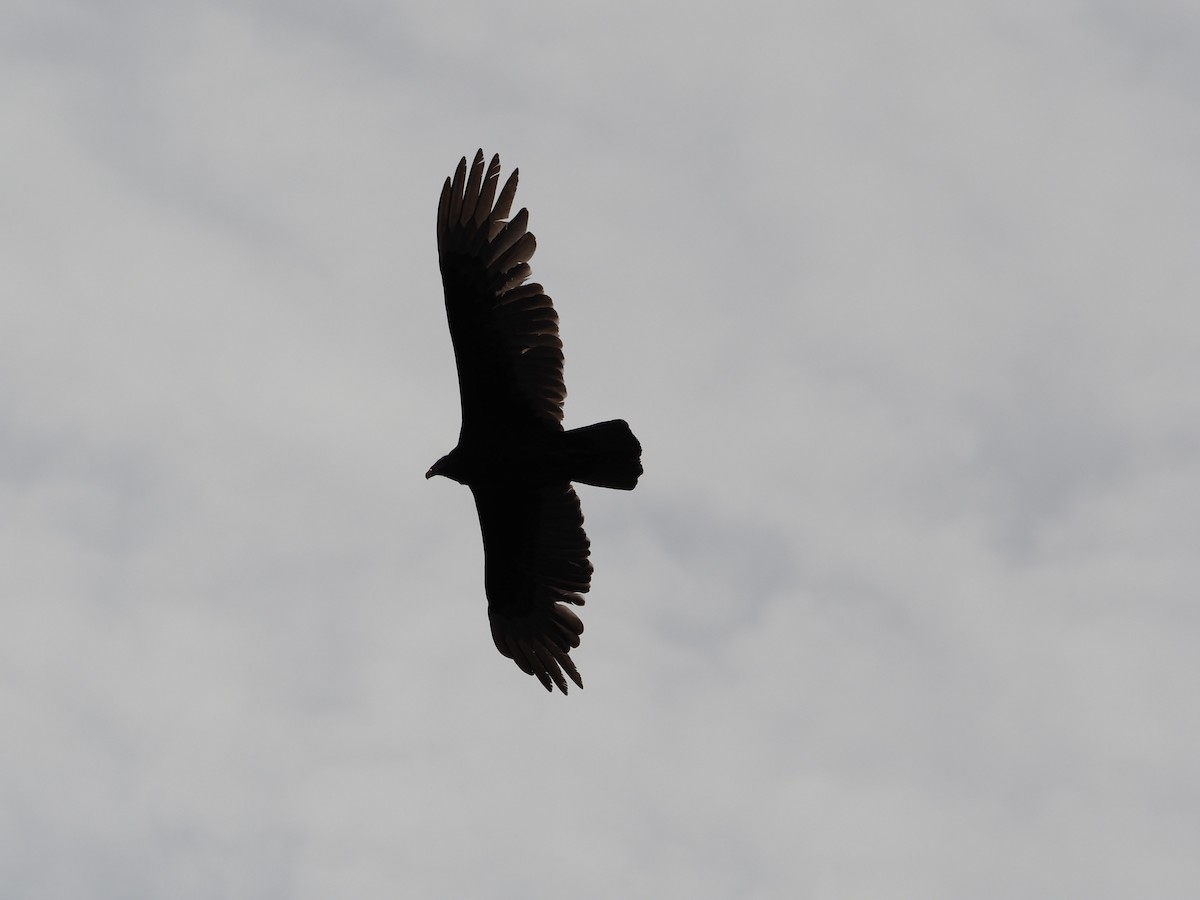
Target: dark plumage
[[512, 450]]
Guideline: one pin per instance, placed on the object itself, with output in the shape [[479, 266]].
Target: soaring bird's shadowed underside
[[512, 450]]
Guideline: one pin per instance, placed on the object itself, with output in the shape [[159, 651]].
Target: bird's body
[[512, 450]]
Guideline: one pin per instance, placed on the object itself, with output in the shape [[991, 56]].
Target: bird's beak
[[432, 471]]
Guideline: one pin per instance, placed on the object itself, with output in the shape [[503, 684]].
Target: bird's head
[[446, 467]]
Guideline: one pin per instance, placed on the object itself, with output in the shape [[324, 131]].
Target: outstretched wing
[[535, 567], [505, 332]]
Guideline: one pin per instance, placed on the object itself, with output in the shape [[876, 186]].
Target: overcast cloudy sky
[[901, 300]]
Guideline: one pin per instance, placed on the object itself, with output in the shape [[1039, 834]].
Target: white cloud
[[899, 301]]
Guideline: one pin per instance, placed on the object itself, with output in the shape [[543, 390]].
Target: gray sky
[[901, 301]]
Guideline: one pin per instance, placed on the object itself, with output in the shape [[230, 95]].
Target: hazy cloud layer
[[902, 303]]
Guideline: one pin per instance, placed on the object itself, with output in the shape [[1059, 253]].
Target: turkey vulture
[[512, 450]]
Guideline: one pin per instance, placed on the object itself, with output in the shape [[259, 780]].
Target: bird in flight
[[512, 450]]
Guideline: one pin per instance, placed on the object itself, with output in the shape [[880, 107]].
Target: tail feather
[[605, 455]]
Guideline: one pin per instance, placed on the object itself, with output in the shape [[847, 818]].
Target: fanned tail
[[605, 455]]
